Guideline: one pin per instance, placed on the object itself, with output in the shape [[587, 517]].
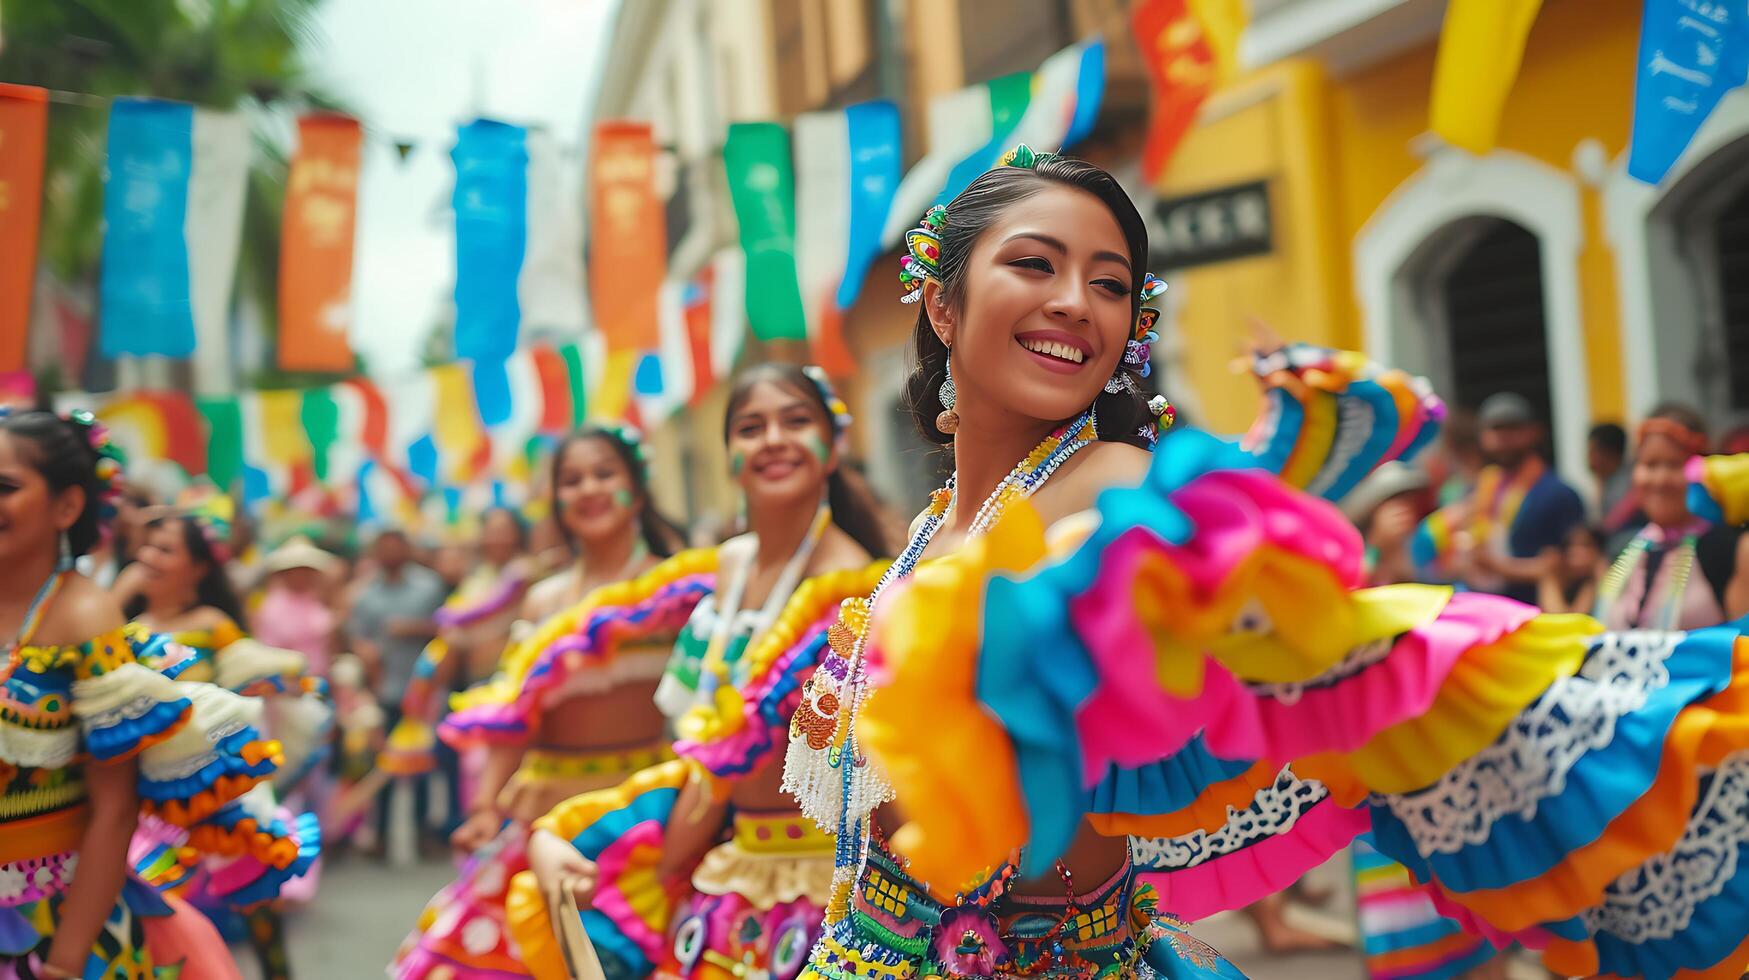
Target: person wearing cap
[[1495, 540], [295, 613], [1386, 507]]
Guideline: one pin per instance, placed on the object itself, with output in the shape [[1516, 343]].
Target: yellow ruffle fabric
[[926, 694]]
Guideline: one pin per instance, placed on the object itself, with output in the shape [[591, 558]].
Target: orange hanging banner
[[24, 122], [1182, 64], [628, 251], [315, 256]]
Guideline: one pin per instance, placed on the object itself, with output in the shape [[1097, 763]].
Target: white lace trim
[[1355, 420], [1357, 660], [1657, 899], [1273, 811], [1532, 758], [136, 708]]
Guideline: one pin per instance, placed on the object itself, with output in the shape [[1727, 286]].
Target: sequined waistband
[[543, 764]]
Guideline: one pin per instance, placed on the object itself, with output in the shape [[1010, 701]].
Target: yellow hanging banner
[[1223, 23], [1480, 49]]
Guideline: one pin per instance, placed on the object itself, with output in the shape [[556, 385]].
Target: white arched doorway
[[1427, 247], [1679, 248]]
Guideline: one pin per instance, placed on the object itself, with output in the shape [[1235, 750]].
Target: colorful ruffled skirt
[[462, 932], [1402, 933], [757, 903], [144, 933]]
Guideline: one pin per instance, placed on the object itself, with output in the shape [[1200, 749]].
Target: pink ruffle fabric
[[1236, 880]]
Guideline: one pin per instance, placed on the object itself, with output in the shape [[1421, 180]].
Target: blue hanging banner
[[492, 392], [1691, 53], [365, 508], [647, 379], [1089, 94], [875, 165], [143, 295], [491, 235]]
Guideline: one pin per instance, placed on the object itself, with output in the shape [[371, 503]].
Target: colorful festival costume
[[252, 851], [755, 901], [1578, 791], [200, 756], [1250, 827], [617, 635]]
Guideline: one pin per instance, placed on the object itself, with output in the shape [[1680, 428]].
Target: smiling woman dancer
[[753, 903], [555, 721], [90, 736], [1032, 345], [1579, 791], [243, 863]]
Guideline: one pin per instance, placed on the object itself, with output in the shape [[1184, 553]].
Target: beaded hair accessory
[[211, 513], [841, 417], [632, 438], [108, 466]]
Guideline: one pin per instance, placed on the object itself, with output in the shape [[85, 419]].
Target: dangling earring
[[66, 562], [949, 420]]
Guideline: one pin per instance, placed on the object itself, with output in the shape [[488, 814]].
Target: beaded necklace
[[1681, 566], [861, 787]]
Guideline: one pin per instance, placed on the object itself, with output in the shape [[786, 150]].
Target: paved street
[[364, 909]]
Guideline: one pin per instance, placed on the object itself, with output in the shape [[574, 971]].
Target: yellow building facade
[[1450, 264]]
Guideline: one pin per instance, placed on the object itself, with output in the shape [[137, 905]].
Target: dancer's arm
[[103, 864]]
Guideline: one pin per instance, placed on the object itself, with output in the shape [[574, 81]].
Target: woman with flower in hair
[[569, 708], [242, 861], [703, 867], [1096, 676], [90, 735]]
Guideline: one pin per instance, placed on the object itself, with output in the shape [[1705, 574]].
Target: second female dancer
[[704, 867], [554, 722]]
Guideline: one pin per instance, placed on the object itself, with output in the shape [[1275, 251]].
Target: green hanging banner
[[573, 355], [321, 418], [224, 440], [762, 185]]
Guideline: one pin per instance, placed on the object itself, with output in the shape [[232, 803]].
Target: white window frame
[[1652, 233], [1451, 187]]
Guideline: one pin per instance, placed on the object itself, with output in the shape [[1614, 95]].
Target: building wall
[[1344, 154]]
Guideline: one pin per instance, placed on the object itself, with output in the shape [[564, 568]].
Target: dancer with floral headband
[[1095, 660], [90, 736], [241, 865], [703, 867], [570, 708]]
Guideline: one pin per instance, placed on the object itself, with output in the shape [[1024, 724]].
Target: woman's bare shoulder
[[81, 610]]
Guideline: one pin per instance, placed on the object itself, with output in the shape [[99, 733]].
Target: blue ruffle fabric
[[1600, 785], [307, 831], [620, 955], [1166, 786], [127, 735], [227, 760]]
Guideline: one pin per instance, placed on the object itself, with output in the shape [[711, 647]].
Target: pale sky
[[414, 70]]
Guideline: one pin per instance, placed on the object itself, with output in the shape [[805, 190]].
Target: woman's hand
[[476, 831], [559, 868]]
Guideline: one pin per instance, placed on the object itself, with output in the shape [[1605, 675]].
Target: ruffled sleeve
[[124, 707], [737, 721], [1330, 417], [622, 830], [583, 637], [1718, 488]]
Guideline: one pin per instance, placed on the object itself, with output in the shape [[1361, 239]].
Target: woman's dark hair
[[516, 521], [214, 588], [1588, 531], [60, 451], [1121, 416], [853, 510], [661, 536]]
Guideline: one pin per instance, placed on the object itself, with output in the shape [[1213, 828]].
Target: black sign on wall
[[1213, 226]]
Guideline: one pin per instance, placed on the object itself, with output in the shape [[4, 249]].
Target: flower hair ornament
[[841, 417], [211, 512], [629, 436]]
